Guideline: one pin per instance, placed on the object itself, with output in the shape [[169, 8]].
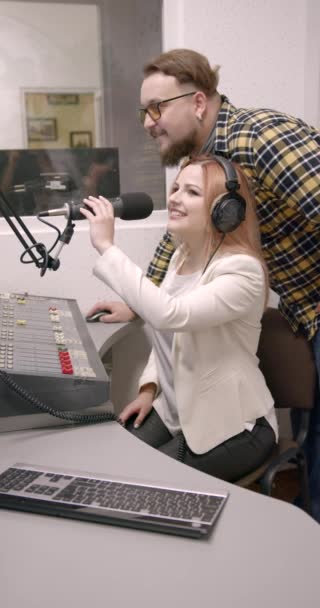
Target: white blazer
[[218, 384]]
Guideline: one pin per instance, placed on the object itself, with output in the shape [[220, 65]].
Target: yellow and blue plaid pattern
[[281, 156]]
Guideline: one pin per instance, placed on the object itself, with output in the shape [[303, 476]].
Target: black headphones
[[229, 210]]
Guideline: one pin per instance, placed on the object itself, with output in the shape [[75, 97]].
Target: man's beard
[[173, 155]]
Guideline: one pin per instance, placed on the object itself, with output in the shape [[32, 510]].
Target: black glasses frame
[[153, 109]]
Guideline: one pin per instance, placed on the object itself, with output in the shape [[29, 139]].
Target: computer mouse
[[96, 315]]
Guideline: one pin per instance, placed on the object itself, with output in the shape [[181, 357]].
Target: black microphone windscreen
[[136, 206]]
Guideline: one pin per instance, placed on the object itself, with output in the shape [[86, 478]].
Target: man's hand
[[119, 312], [141, 406]]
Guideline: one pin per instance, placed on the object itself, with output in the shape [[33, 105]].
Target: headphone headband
[[232, 182]]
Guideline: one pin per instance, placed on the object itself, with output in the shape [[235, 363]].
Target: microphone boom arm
[[45, 261]]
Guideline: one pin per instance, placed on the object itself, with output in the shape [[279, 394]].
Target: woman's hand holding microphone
[[101, 218]]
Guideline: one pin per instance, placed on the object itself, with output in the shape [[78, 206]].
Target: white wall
[[268, 50], [53, 46]]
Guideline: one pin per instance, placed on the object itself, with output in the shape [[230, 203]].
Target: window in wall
[[69, 81], [56, 119]]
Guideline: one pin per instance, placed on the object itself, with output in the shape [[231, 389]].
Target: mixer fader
[[46, 348]]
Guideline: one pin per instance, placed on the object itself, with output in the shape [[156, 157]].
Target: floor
[[286, 485]]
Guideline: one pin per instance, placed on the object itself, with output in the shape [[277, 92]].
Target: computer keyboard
[[85, 496]]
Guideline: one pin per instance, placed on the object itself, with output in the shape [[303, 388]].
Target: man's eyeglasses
[[153, 109]]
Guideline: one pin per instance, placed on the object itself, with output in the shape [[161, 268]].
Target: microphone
[[130, 206]]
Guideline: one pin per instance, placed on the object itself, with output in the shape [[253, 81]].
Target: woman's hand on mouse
[[119, 312], [101, 218]]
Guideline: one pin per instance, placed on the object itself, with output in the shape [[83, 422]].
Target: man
[[183, 110]]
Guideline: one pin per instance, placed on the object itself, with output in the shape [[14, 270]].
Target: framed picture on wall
[[80, 139], [62, 99], [42, 129]]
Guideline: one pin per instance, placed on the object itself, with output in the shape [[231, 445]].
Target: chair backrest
[[287, 363]]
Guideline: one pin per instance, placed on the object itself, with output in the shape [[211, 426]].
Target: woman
[[202, 392]]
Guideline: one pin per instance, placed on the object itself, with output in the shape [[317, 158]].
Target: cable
[[213, 253], [41, 250], [69, 416], [25, 237], [51, 226], [44, 260], [182, 446]]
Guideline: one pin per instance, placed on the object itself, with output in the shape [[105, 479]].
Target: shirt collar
[[218, 137]]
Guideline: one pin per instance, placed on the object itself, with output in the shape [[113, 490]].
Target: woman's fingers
[[140, 406], [99, 213], [100, 206], [142, 415], [128, 411]]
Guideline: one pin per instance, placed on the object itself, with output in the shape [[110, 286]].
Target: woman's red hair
[[245, 238]]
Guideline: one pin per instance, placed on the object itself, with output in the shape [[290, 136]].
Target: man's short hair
[[186, 66]]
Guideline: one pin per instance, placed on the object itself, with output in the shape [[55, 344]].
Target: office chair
[[287, 363]]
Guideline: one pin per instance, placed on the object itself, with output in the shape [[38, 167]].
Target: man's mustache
[[155, 133]]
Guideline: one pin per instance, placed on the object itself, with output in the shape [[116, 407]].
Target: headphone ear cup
[[228, 212]]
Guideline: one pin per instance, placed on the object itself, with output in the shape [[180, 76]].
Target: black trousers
[[230, 460]]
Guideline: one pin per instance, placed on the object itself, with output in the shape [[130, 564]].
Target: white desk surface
[[105, 335], [263, 553]]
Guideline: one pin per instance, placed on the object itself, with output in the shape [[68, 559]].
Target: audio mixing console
[[46, 349]]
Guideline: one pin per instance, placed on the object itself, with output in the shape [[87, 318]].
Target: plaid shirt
[[281, 156]]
